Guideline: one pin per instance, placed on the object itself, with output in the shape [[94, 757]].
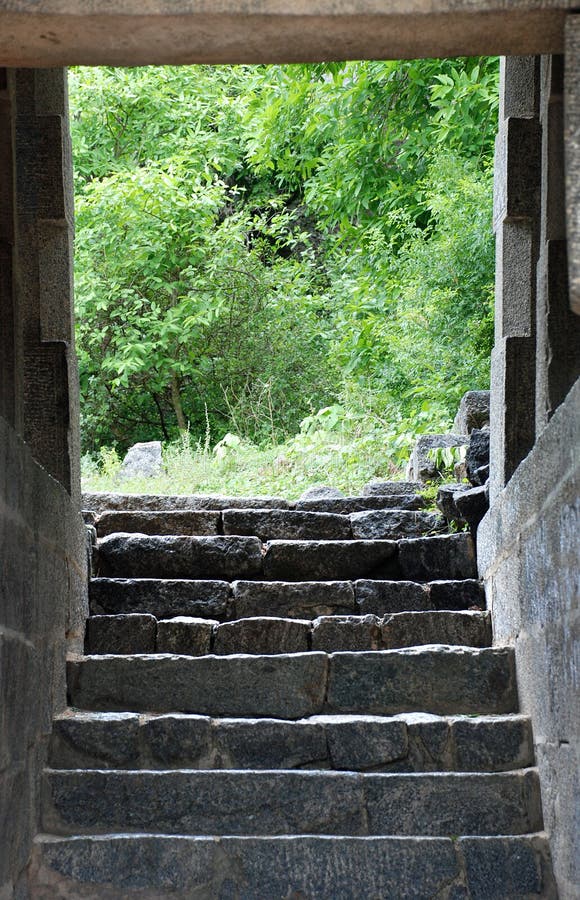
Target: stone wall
[[528, 555], [42, 614]]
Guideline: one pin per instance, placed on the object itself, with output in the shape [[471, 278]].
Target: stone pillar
[[572, 153], [47, 416], [516, 225], [558, 328], [8, 366]]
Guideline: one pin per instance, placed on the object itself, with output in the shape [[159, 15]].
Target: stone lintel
[[103, 32]]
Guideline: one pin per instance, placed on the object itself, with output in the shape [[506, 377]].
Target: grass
[[236, 467]]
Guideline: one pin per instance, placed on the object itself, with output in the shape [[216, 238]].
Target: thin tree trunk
[[176, 402], [161, 416]]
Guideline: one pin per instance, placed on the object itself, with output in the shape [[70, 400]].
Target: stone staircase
[[288, 700]]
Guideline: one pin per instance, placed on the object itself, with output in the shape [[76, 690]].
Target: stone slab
[[269, 744], [393, 524], [181, 521], [411, 629], [306, 599], [286, 524], [339, 867], [334, 633], [290, 802], [328, 560], [162, 598], [359, 504], [430, 559], [147, 556], [287, 687], [201, 802], [179, 867], [465, 594], [382, 597], [443, 803], [258, 635], [391, 488], [185, 635], [133, 633], [442, 680], [107, 502]]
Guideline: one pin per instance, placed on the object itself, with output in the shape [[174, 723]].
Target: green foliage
[[297, 257]]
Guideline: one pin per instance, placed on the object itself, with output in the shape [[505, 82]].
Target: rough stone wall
[[43, 608], [528, 554]]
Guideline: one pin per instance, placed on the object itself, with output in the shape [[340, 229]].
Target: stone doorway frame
[[537, 225]]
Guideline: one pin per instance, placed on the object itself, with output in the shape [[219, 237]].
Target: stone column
[[42, 283], [558, 328], [572, 153], [8, 366], [516, 224]]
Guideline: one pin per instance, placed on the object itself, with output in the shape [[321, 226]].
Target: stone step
[[414, 742], [154, 867], [143, 633], [273, 524], [160, 556], [100, 502], [283, 802], [419, 559], [440, 680], [347, 505], [230, 557], [304, 600], [179, 521], [162, 598]]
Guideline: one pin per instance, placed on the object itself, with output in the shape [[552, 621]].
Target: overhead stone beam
[[134, 32]]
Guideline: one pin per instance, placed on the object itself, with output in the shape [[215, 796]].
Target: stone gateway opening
[[291, 699]]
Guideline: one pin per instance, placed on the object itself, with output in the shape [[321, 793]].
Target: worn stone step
[[413, 742], [378, 487], [103, 502], [141, 556], [180, 521], [230, 557], [450, 556], [441, 680], [303, 600], [286, 524], [414, 559], [392, 524], [162, 598], [185, 801], [138, 633], [383, 597], [153, 867], [329, 560], [348, 505]]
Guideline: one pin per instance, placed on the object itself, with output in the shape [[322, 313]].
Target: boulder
[[473, 412], [142, 461], [478, 456], [421, 466]]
